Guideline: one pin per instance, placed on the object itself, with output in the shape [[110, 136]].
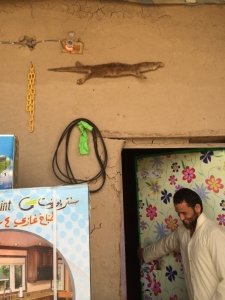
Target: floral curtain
[[158, 178]]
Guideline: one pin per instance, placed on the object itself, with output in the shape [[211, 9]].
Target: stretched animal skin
[[110, 70]]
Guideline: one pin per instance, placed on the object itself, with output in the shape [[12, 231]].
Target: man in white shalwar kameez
[[202, 246]]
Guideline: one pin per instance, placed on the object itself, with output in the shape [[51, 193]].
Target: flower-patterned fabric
[[158, 178]]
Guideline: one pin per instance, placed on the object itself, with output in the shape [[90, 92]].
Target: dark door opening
[[131, 233], [131, 225], [131, 221]]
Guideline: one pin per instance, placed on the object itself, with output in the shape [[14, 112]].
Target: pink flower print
[[151, 212], [156, 287], [174, 297], [221, 219], [143, 225], [178, 187], [154, 265], [143, 174], [172, 179], [214, 184], [149, 280], [151, 266], [177, 256], [171, 223], [189, 174]]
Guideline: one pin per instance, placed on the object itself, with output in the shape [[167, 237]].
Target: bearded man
[[202, 246]]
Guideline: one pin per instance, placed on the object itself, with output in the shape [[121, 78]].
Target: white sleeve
[[217, 248], [162, 247]]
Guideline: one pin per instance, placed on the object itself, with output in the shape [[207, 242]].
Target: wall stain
[[85, 9]]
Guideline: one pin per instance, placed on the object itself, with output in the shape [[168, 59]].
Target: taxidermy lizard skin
[[110, 70]]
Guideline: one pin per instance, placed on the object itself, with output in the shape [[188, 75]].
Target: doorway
[[208, 162], [131, 233]]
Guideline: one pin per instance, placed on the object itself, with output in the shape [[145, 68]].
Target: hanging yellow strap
[[30, 103]]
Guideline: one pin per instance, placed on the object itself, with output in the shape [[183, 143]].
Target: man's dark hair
[[187, 195]]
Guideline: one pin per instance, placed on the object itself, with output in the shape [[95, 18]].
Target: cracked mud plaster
[[113, 170], [83, 9], [114, 179], [96, 227]]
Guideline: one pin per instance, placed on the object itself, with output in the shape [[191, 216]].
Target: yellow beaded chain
[[31, 97]]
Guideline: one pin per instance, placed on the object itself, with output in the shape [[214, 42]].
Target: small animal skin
[[110, 70]]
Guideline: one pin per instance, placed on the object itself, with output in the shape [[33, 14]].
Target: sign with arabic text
[[58, 215]]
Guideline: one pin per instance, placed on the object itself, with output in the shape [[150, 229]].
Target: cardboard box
[[8, 161], [48, 227]]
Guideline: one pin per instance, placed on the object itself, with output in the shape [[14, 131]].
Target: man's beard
[[192, 222]]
